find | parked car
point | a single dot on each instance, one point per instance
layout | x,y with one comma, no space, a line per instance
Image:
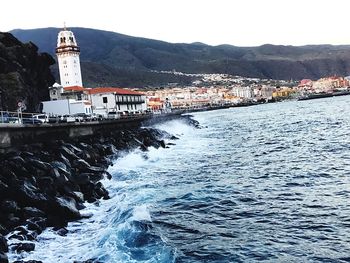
82,117
44,118
66,118
31,121
113,115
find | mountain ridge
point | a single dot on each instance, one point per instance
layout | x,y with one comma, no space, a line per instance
139,56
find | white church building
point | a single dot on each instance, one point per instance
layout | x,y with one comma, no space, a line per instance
70,97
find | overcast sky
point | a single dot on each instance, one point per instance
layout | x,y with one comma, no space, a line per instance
214,22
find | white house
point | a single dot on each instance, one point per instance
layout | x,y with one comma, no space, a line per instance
106,100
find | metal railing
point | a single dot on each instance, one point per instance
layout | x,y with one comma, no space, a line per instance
8,117
19,117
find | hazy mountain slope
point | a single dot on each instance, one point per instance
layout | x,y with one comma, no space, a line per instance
133,54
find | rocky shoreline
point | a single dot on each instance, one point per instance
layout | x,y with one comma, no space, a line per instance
46,184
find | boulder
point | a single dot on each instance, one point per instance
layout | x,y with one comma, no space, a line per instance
64,160
39,164
68,154
32,212
25,246
3,244
66,208
34,227
3,230
61,167
3,258
4,190
83,178
40,221
9,206
28,194
62,231
12,221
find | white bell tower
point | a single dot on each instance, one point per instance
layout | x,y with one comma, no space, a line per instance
67,52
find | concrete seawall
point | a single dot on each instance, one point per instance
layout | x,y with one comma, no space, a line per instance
12,135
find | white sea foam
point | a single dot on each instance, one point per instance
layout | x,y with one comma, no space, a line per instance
105,233
141,213
175,127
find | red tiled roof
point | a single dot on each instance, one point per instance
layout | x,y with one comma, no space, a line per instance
153,99
118,91
305,82
74,88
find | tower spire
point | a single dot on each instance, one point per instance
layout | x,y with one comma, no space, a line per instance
64,26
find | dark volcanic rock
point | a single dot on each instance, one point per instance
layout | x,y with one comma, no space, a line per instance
24,73
67,208
3,244
19,247
47,184
3,258
32,212
9,206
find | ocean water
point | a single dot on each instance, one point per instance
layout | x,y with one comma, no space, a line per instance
264,183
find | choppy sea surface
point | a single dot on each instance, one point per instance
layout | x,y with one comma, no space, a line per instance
264,183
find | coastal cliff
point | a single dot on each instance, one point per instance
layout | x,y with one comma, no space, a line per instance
24,74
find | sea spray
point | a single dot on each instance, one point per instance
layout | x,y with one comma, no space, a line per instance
85,177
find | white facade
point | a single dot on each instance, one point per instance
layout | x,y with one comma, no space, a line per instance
112,102
66,107
67,52
55,91
243,92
